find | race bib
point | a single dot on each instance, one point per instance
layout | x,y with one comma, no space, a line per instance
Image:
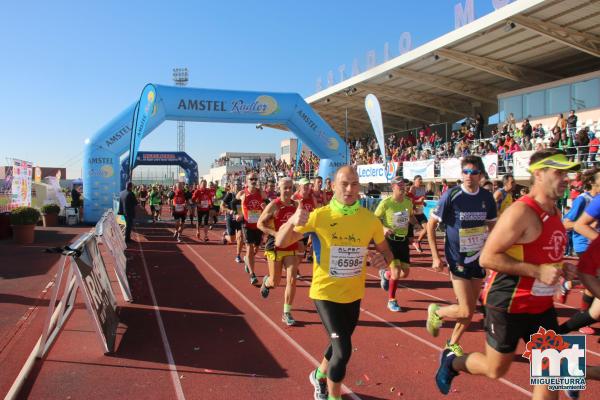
179,207
400,220
203,203
541,289
472,239
143,198
253,216
346,261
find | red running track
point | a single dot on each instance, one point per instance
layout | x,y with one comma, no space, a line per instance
199,330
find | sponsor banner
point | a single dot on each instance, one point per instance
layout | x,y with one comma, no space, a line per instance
111,236
450,168
377,173
424,168
21,183
142,115
490,161
521,163
98,294
374,111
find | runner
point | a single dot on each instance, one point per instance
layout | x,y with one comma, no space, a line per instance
217,199
179,211
143,196
417,195
343,230
305,196
231,206
155,200
585,232
468,213
327,192
191,207
396,212
525,252
212,212
253,201
317,191
503,196
591,185
276,214
203,199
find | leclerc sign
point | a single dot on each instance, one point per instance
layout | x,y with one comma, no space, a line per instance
377,173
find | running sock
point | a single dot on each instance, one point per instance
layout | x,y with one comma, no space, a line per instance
387,275
579,320
586,301
393,287
287,308
320,375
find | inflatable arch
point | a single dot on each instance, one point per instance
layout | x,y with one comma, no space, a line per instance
102,153
179,158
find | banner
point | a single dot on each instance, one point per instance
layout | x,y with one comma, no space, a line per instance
490,161
521,163
424,168
374,111
141,117
450,168
98,294
21,183
111,236
377,173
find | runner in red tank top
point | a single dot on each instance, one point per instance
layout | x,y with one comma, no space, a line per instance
203,199
253,201
327,192
525,252
273,217
318,193
179,211
305,196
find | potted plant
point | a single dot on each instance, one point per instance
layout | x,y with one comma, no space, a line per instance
23,221
50,214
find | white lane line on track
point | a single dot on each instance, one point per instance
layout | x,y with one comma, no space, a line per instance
277,328
433,346
163,335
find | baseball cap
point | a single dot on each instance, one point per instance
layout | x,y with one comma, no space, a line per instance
303,181
556,161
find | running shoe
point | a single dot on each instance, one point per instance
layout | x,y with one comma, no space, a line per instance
206,238
572,394
224,240
455,348
417,246
238,259
253,279
434,321
562,293
320,385
178,239
210,227
287,319
246,267
445,373
264,289
298,276
393,306
384,282
587,330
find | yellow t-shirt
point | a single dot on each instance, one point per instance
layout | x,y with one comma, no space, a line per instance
340,244
395,215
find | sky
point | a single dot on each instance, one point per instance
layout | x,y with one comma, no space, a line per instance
69,67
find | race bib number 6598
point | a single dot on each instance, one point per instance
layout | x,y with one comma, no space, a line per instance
346,261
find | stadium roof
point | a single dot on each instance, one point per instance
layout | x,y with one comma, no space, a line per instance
524,43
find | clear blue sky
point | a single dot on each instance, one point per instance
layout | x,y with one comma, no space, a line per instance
68,67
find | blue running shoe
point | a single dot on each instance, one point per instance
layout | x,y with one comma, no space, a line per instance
384,283
393,306
445,373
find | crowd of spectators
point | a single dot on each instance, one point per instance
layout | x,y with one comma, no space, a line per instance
579,141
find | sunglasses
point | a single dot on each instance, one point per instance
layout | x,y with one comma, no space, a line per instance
469,171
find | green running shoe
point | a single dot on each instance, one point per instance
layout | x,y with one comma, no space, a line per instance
455,348
434,321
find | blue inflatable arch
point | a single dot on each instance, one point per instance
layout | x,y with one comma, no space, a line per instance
179,158
102,155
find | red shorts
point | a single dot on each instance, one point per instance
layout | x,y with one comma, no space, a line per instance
589,262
